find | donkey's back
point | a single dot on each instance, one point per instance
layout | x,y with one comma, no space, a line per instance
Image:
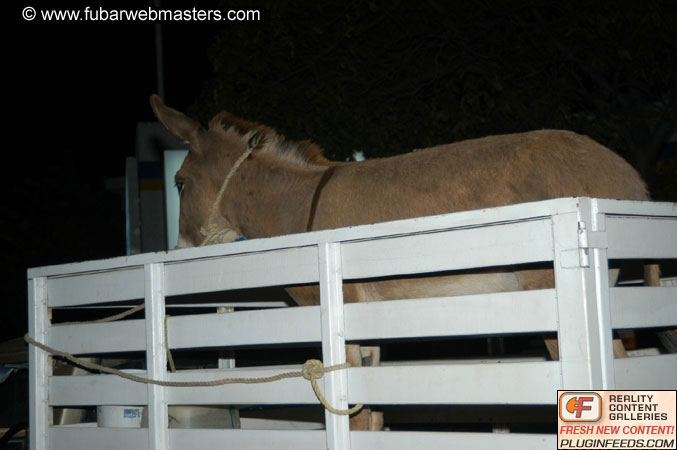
478,173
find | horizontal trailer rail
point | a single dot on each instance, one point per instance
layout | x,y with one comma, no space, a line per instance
577,236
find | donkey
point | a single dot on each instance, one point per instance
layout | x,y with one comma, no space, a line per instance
247,179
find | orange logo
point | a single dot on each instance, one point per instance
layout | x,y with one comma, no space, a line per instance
580,407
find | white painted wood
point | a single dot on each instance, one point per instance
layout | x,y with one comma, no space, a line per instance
407,440
156,355
453,316
597,244
641,237
513,243
647,372
288,391
86,438
182,439
271,424
271,326
122,336
97,287
223,363
503,214
456,384
669,281
579,234
578,335
85,390
245,304
461,361
333,344
113,390
211,305
270,268
421,383
461,315
39,418
636,208
640,307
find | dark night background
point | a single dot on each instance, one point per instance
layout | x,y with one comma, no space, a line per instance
378,76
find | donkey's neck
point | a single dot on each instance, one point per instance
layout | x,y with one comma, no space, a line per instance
271,197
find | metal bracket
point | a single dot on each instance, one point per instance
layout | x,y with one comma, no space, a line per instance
587,239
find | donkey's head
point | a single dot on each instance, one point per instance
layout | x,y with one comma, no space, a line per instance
212,154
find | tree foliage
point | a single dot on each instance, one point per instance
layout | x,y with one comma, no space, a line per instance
387,77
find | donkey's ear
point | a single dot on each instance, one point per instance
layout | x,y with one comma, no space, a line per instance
180,125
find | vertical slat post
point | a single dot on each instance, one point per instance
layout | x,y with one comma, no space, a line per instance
39,365
229,362
333,344
599,263
582,289
156,355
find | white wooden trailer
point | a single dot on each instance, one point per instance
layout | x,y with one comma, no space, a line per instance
578,235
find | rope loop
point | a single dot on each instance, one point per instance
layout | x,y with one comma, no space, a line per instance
312,370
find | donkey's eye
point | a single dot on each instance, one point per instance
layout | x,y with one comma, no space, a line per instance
179,186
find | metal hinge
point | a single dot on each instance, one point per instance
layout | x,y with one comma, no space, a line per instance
587,239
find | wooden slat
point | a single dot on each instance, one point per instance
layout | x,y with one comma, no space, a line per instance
461,219
456,384
272,326
97,287
642,307
288,391
112,337
463,383
641,237
113,390
646,372
407,440
513,243
360,440
96,390
511,213
85,438
636,208
68,438
182,439
274,268
505,312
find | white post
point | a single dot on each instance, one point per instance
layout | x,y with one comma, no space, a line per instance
582,288
226,363
156,356
39,364
599,261
333,344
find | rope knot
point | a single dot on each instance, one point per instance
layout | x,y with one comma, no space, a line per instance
313,370
217,234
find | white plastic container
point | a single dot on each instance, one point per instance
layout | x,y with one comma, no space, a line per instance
116,416
181,416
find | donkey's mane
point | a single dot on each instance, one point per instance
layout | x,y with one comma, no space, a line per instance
269,141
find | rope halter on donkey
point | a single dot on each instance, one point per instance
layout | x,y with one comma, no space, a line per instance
224,232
